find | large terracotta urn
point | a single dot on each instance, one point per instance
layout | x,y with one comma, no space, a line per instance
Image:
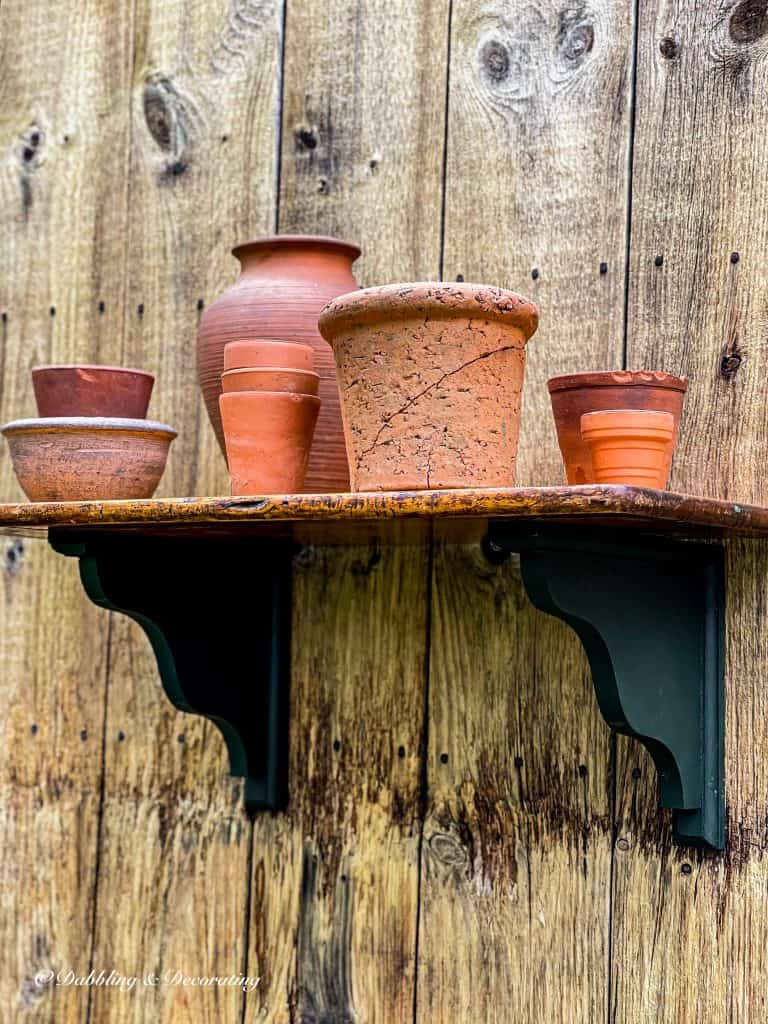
285,280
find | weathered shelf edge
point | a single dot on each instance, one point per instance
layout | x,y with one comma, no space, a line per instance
612,505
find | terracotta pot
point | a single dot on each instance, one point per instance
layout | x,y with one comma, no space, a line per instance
265,378
574,394
284,283
83,458
431,376
629,446
269,435
92,391
266,352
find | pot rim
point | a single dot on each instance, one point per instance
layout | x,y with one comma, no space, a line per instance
627,421
47,367
58,424
437,299
296,242
293,396
270,369
617,378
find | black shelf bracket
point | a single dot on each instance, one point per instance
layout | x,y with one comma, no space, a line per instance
650,614
217,612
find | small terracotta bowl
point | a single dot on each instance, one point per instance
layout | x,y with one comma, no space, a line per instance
86,458
266,352
629,446
271,378
269,436
92,391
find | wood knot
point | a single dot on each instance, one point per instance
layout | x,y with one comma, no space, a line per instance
494,58
305,138
448,850
169,123
575,37
749,21
14,557
669,48
730,360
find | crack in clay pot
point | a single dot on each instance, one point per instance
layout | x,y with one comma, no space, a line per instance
425,391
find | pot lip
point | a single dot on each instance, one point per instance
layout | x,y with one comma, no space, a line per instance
47,367
293,396
612,378
66,424
296,242
438,299
269,369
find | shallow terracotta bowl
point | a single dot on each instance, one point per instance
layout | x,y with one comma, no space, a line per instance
88,458
85,390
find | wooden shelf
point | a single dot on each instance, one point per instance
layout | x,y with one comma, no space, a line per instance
638,574
342,517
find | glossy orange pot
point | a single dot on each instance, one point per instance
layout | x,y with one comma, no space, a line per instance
431,377
284,282
271,378
268,352
269,435
629,446
574,394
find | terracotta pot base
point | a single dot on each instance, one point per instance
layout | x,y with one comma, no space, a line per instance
629,446
269,435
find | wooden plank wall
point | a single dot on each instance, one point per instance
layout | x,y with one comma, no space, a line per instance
465,841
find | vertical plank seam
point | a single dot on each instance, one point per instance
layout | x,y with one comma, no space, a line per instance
424,770
630,170
279,114
614,761
444,173
100,811
247,921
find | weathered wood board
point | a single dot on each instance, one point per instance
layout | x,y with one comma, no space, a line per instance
465,840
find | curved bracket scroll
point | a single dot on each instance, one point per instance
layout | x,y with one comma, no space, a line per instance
217,613
650,614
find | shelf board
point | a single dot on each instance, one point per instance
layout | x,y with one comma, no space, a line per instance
401,515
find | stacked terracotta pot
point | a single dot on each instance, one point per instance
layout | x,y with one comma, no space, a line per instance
269,409
618,427
91,439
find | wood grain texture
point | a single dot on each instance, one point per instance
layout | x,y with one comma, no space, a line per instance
536,200
363,126
203,176
610,505
52,690
63,212
688,933
335,879
517,839
536,186
175,840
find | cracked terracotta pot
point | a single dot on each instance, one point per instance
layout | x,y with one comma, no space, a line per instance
574,394
269,436
629,446
431,377
284,282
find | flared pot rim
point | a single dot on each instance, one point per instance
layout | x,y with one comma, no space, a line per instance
435,299
617,378
267,242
